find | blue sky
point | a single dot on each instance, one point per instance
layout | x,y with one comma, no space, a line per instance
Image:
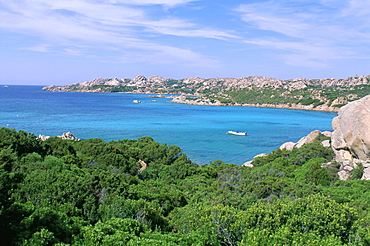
68,41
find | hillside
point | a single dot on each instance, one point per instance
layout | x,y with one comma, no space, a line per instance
91,192
311,94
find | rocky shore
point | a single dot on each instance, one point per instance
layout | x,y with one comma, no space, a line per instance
141,84
350,139
206,102
256,91
65,135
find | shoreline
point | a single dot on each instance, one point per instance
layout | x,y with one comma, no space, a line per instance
177,98
321,108
279,106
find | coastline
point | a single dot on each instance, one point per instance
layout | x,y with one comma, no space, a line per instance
324,95
293,106
196,129
182,100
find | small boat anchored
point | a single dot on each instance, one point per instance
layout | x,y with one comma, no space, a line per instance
237,133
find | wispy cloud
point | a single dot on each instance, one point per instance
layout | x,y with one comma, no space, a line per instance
170,3
310,34
39,48
123,24
357,7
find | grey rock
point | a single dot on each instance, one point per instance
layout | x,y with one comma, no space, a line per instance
288,145
366,174
344,175
326,143
140,79
65,135
248,164
68,135
352,129
327,133
43,137
348,168
260,155
308,139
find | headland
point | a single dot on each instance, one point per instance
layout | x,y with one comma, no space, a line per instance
254,91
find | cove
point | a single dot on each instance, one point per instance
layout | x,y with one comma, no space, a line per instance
199,130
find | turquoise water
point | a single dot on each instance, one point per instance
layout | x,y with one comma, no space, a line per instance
199,130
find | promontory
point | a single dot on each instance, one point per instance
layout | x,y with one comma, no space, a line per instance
327,94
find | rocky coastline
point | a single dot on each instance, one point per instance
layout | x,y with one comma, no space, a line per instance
140,83
299,93
296,106
350,139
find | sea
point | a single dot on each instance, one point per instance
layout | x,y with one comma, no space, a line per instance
200,131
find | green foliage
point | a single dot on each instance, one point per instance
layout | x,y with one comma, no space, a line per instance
116,231
40,238
275,96
298,156
357,172
21,142
285,222
215,222
312,172
58,147
91,192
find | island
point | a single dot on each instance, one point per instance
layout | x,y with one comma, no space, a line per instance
327,94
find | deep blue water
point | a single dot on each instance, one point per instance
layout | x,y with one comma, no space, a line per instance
199,130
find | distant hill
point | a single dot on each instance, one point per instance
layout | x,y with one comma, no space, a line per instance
312,94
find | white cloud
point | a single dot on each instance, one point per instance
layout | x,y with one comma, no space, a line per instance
105,24
273,17
300,53
309,34
357,8
169,3
202,33
39,48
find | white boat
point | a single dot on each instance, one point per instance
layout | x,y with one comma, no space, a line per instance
237,133
136,101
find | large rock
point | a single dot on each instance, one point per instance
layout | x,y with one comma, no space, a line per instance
69,136
351,137
65,135
140,79
352,129
310,138
288,146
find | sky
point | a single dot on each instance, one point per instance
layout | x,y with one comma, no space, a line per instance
60,42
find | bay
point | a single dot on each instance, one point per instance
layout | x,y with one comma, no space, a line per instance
199,130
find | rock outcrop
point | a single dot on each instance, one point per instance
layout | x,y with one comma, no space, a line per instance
249,163
214,91
352,128
65,135
199,84
310,138
68,135
350,139
351,136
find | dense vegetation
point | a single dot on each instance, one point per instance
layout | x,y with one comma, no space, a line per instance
91,192
312,95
